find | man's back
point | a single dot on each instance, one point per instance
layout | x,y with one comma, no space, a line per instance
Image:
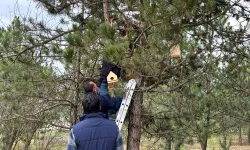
95,132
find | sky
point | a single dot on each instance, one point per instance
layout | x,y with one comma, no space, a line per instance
11,8
24,8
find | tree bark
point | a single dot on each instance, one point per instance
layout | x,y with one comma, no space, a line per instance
77,72
204,137
178,146
240,136
168,135
9,136
204,146
105,11
76,78
248,135
77,97
28,139
168,142
134,127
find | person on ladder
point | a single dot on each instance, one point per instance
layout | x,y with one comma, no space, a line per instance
109,104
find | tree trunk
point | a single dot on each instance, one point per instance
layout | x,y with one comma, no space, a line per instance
28,140
179,141
248,135
178,146
204,137
240,136
204,145
77,98
168,136
105,11
134,127
30,134
168,142
9,137
77,72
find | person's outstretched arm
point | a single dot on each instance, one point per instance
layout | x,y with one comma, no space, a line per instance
119,142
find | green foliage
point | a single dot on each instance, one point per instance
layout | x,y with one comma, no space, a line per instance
92,24
115,52
201,94
68,54
210,5
30,39
74,39
89,36
56,49
107,31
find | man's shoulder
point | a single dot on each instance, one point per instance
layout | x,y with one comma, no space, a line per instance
91,121
104,100
107,122
102,97
110,122
93,125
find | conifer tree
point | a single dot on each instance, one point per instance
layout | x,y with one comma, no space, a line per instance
139,36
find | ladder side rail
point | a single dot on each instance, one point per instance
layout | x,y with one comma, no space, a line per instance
125,103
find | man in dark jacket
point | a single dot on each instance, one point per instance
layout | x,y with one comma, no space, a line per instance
107,103
94,132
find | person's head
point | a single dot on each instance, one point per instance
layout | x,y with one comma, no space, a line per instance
90,86
91,103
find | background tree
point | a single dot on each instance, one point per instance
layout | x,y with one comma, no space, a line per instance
176,99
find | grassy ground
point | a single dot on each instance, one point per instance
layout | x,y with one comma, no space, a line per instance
58,141
214,144
51,140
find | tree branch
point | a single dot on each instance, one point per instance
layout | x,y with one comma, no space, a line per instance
41,44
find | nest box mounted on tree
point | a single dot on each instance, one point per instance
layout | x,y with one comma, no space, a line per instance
175,51
112,79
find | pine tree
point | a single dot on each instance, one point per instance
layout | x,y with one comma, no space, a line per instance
139,37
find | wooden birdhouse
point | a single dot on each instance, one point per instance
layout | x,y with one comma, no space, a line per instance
112,79
175,51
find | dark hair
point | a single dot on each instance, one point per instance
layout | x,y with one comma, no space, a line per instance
91,103
87,86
